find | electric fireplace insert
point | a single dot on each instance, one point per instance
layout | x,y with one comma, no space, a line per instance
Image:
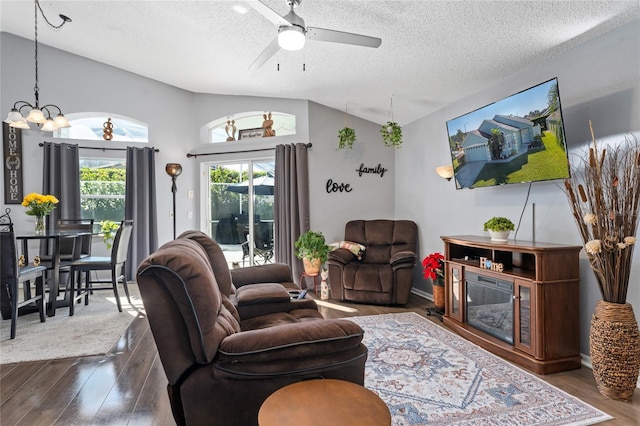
490,305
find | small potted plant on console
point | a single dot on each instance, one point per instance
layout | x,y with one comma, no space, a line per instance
499,228
312,248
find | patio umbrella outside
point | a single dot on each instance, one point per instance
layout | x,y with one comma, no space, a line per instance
261,186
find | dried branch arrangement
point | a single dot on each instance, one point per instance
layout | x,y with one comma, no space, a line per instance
604,193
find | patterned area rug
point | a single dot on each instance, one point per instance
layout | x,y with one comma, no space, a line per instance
429,376
92,330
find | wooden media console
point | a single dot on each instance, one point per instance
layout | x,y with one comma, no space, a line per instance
517,299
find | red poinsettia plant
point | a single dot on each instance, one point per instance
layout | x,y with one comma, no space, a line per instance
433,268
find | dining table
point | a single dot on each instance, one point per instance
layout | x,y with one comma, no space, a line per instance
55,236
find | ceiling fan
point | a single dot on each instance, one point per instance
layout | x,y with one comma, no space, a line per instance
292,32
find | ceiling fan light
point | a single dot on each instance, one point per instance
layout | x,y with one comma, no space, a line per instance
36,116
291,37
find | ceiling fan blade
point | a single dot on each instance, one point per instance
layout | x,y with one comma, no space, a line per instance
266,54
333,36
267,12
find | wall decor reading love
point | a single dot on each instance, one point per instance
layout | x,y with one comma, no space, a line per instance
12,154
378,170
337,187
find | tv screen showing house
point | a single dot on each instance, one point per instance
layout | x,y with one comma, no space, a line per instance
518,139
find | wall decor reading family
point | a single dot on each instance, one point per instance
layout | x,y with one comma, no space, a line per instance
12,155
379,170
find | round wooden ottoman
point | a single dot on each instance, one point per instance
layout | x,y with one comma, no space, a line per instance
324,402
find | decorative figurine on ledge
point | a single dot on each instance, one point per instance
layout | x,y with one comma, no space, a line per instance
230,127
107,132
267,125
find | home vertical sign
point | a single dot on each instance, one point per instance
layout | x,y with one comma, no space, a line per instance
12,164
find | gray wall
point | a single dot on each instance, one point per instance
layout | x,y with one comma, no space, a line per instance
599,81
177,122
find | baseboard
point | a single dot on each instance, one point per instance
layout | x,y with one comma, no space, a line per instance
586,359
422,293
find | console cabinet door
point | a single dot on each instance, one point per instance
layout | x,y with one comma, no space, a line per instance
524,325
455,283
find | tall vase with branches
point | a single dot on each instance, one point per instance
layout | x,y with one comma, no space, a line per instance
604,195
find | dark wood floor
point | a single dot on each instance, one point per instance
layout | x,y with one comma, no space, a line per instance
128,386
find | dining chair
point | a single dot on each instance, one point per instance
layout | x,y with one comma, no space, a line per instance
114,263
70,248
13,276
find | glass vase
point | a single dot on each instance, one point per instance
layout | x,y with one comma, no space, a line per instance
39,225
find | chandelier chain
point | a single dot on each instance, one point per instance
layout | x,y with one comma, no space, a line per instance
35,20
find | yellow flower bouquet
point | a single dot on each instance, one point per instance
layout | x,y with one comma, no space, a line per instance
38,204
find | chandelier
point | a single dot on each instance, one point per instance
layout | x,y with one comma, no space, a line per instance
41,115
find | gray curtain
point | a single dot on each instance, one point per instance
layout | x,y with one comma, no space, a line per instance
140,206
61,178
291,199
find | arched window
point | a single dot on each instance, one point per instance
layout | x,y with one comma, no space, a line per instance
91,126
220,129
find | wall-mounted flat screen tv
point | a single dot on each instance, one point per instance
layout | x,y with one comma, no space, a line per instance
518,139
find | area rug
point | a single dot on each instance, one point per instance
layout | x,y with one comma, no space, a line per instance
428,375
92,330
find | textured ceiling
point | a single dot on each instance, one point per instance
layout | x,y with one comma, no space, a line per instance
432,52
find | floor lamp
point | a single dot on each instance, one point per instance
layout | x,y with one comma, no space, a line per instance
174,170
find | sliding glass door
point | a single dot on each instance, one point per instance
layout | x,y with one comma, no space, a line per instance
240,214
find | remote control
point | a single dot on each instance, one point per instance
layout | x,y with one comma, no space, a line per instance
302,294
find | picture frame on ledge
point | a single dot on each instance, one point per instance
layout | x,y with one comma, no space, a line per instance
251,133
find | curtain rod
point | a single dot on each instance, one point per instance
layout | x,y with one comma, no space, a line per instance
102,148
308,145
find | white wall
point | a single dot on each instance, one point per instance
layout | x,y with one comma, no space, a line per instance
599,81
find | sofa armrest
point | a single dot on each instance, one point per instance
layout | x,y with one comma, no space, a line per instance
340,256
290,341
403,259
271,273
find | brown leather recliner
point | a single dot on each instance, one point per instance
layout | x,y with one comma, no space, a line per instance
384,275
221,366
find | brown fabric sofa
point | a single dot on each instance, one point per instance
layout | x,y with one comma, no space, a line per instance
220,365
384,275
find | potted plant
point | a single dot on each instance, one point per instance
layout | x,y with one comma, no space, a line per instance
312,248
499,228
391,134
433,269
346,137
107,227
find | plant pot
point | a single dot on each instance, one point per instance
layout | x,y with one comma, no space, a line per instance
499,236
312,266
438,298
614,343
